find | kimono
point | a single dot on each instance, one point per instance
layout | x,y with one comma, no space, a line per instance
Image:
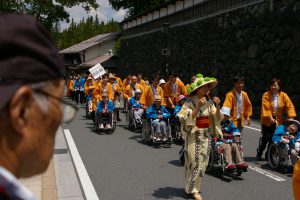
196,135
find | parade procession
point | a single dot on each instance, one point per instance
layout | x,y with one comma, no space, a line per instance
146,100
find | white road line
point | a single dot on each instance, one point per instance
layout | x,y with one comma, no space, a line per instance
256,129
86,183
265,173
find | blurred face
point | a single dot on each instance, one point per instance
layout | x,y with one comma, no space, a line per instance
133,80
128,77
155,81
193,79
275,88
111,80
162,85
239,86
33,141
105,79
104,98
138,95
139,77
172,79
157,103
226,117
292,128
182,101
202,91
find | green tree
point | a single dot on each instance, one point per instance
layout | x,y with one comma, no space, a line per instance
135,7
84,30
48,12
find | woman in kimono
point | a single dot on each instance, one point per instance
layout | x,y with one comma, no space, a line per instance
199,117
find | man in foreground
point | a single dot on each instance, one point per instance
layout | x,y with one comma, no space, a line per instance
31,108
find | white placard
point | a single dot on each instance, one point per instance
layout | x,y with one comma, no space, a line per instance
97,71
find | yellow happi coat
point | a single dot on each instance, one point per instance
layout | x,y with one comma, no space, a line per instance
196,141
231,103
284,105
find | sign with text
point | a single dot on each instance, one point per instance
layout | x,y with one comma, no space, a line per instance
97,71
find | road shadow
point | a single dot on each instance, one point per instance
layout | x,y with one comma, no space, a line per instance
224,178
175,163
249,159
169,193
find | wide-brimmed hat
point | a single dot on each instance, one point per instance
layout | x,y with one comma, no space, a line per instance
225,111
161,81
111,76
201,81
138,91
180,98
293,121
157,98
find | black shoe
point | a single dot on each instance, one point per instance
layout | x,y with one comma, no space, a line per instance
119,120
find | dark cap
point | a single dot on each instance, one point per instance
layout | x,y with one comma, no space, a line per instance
28,54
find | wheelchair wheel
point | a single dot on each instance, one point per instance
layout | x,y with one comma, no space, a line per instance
87,111
145,132
96,125
274,156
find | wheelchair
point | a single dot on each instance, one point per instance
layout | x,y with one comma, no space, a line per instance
130,120
105,119
176,131
217,160
279,157
147,133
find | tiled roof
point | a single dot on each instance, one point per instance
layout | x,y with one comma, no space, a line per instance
99,59
89,43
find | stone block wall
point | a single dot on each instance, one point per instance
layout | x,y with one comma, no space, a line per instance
254,42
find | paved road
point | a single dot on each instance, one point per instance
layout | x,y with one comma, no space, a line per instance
120,167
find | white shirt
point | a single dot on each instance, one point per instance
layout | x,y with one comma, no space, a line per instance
12,187
239,104
275,102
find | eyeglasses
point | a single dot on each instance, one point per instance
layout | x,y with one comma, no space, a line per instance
69,110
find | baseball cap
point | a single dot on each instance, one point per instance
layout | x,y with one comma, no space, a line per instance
28,54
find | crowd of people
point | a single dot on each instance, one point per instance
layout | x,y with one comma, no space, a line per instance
28,96
200,116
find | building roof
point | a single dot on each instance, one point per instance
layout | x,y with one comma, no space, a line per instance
90,42
94,61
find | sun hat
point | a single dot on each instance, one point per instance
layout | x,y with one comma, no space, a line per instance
200,81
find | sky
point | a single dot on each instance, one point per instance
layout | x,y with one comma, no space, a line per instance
105,13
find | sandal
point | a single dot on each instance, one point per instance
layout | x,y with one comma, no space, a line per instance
197,196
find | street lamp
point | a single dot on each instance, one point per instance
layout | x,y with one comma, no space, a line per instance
165,50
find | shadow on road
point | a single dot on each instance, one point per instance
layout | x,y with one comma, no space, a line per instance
221,177
169,193
249,159
175,163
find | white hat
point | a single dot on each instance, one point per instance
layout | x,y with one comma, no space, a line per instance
161,81
138,91
225,111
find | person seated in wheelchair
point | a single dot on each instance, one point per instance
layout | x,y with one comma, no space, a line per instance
105,109
180,101
289,136
231,140
158,114
136,106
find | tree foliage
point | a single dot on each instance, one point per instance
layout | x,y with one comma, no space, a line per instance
48,12
135,7
84,30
